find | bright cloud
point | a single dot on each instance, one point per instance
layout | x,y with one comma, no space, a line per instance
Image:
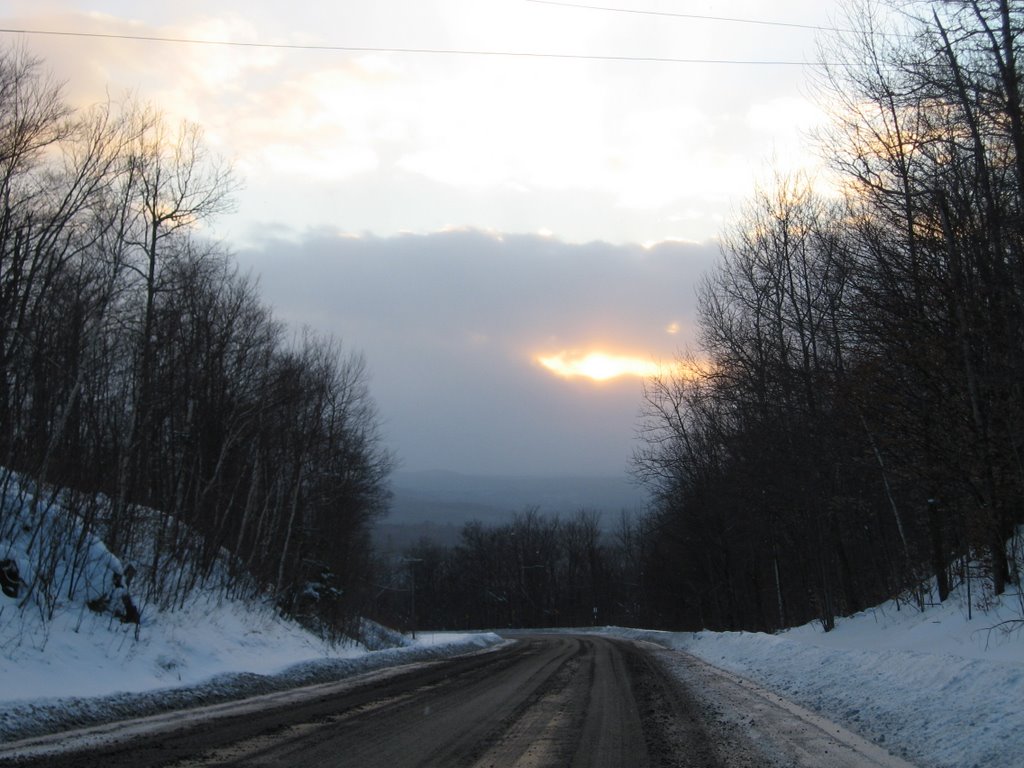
620,151
604,366
598,366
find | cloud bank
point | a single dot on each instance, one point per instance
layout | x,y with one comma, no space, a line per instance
453,325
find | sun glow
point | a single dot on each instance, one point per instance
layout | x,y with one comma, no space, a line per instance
598,366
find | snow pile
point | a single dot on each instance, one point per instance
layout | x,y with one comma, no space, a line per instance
932,687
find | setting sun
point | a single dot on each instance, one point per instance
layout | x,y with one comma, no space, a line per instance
599,366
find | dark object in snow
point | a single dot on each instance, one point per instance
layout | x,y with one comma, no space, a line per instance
10,579
99,604
127,612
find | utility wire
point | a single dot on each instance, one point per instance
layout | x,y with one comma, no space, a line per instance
435,51
697,16
729,19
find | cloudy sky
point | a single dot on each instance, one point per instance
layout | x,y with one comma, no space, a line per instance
512,241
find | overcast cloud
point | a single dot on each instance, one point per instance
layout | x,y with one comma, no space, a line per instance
452,323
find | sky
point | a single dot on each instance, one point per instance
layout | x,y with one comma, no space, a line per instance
512,241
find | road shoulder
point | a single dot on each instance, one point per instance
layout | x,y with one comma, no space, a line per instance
761,728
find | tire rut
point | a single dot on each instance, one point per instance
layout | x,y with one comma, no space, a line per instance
676,732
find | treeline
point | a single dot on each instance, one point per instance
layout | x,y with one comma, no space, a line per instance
853,423
142,372
536,570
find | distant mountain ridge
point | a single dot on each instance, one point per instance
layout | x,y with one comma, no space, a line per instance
452,498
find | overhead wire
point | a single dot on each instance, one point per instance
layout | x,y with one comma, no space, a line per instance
695,16
482,52
383,49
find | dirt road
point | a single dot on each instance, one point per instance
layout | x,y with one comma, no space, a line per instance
545,700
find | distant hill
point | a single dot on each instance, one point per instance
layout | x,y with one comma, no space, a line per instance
453,498
437,504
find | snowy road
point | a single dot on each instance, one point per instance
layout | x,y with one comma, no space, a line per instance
546,700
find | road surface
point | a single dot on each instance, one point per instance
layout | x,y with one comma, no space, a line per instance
544,700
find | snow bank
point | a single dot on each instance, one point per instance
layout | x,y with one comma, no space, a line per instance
92,675
67,657
929,686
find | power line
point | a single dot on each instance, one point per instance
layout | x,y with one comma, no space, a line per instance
727,19
432,51
701,17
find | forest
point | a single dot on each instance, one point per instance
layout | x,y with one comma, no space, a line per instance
148,393
857,428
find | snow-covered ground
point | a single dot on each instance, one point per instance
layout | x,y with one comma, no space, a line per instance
209,638
933,687
67,659
84,669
